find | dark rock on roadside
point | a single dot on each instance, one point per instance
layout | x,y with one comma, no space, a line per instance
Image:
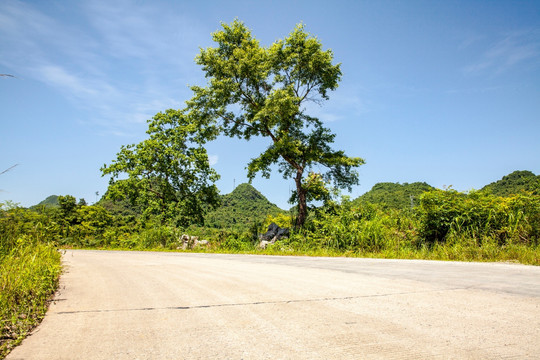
273,234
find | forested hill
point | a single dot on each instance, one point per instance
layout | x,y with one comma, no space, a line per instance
514,183
246,204
398,196
395,195
49,201
242,207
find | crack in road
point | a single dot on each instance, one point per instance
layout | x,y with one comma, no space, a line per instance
252,303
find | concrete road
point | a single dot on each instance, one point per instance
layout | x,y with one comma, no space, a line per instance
143,305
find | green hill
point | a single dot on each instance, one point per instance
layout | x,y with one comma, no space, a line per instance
242,207
515,183
394,195
51,201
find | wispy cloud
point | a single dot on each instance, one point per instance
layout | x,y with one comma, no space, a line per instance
80,87
213,159
469,40
507,52
339,106
121,61
142,30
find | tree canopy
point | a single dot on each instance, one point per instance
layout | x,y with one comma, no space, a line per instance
167,175
263,91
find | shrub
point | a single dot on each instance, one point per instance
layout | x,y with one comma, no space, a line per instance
479,215
28,277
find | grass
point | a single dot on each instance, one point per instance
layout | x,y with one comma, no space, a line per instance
28,278
467,251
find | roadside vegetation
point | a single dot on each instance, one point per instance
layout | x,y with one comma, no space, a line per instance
436,224
29,272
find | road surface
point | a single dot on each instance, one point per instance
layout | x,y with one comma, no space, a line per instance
146,305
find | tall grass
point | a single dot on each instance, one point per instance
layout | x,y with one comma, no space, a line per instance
29,273
446,225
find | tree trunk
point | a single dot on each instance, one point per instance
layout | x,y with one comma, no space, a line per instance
302,204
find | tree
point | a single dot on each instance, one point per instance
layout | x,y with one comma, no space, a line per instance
168,174
258,91
66,214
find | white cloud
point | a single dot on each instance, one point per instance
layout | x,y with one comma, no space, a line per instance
119,62
338,107
80,87
213,159
146,31
507,52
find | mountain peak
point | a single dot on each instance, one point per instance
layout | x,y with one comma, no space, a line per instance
514,183
248,192
245,205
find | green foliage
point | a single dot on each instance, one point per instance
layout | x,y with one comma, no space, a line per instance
357,228
445,225
157,236
93,221
29,271
121,207
16,222
237,243
445,215
168,175
437,212
395,195
240,209
283,220
515,183
262,91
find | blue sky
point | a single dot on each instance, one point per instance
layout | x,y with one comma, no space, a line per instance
446,92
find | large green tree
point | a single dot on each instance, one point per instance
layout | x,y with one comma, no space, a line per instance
168,175
263,91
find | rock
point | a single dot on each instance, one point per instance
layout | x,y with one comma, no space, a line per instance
190,242
273,234
263,244
272,231
184,239
283,232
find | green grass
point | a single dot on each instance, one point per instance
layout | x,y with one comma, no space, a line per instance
467,251
28,278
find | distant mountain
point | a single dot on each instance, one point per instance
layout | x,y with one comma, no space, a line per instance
395,195
49,201
515,183
242,207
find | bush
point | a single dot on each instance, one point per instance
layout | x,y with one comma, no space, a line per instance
237,243
28,277
157,236
361,228
479,215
